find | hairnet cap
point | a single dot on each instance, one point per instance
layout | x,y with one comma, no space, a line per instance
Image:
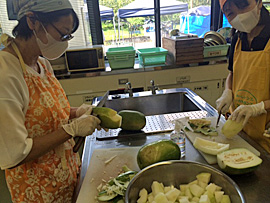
21,7
222,2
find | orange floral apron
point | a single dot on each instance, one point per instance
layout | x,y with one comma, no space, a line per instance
52,177
251,85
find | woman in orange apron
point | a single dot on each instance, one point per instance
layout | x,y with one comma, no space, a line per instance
36,145
248,83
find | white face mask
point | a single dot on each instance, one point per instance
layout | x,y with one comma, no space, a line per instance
246,22
53,49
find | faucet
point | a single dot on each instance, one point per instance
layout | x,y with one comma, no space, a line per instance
128,89
153,87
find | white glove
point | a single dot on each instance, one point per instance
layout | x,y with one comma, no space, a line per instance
83,109
224,102
266,133
82,126
246,111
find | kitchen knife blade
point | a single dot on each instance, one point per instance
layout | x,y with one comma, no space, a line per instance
219,115
103,100
82,139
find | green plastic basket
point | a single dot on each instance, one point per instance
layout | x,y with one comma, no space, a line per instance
152,56
215,51
121,57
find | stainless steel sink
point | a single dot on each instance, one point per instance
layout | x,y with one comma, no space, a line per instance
163,102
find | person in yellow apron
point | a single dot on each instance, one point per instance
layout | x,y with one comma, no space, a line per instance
36,137
247,89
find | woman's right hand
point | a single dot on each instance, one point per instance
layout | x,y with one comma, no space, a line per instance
83,126
224,102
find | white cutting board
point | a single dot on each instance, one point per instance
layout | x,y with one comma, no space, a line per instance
98,170
235,142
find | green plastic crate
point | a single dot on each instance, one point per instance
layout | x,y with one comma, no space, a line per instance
215,51
121,57
152,56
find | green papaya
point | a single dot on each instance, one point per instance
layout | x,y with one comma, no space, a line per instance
162,150
132,120
108,117
232,128
238,161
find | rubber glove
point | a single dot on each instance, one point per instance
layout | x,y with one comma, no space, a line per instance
82,126
83,109
247,111
224,102
266,133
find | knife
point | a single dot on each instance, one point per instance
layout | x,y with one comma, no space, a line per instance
219,115
82,139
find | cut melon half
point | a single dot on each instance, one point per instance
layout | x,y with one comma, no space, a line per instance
238,161
209,147
109,117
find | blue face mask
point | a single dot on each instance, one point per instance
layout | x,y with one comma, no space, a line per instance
53,49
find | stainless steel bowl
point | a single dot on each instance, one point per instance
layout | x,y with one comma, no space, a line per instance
212,35
180,172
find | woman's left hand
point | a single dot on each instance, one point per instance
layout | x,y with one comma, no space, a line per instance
244,112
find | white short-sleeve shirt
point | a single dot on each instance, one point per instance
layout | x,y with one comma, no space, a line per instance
14,99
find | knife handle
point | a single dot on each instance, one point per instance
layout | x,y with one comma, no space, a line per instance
78,144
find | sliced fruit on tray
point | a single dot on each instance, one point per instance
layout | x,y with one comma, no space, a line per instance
162,150
238,161
209,147
231,128
109,117
203,126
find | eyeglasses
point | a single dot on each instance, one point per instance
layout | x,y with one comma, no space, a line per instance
66,37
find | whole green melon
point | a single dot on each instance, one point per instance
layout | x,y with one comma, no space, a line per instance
132,120
162,150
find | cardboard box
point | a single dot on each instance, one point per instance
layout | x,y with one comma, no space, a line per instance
184,51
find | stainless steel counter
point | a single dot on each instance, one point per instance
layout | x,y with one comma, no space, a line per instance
255,186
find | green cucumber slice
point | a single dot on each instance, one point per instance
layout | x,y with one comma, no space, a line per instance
104,197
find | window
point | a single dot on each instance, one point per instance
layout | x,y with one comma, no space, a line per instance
136,22
127,23
266,3
81,36
6,25
107,15
197,19
132,22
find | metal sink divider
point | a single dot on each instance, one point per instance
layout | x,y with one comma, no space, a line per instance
154,124
191,105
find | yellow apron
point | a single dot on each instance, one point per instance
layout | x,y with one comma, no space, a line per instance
251,85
